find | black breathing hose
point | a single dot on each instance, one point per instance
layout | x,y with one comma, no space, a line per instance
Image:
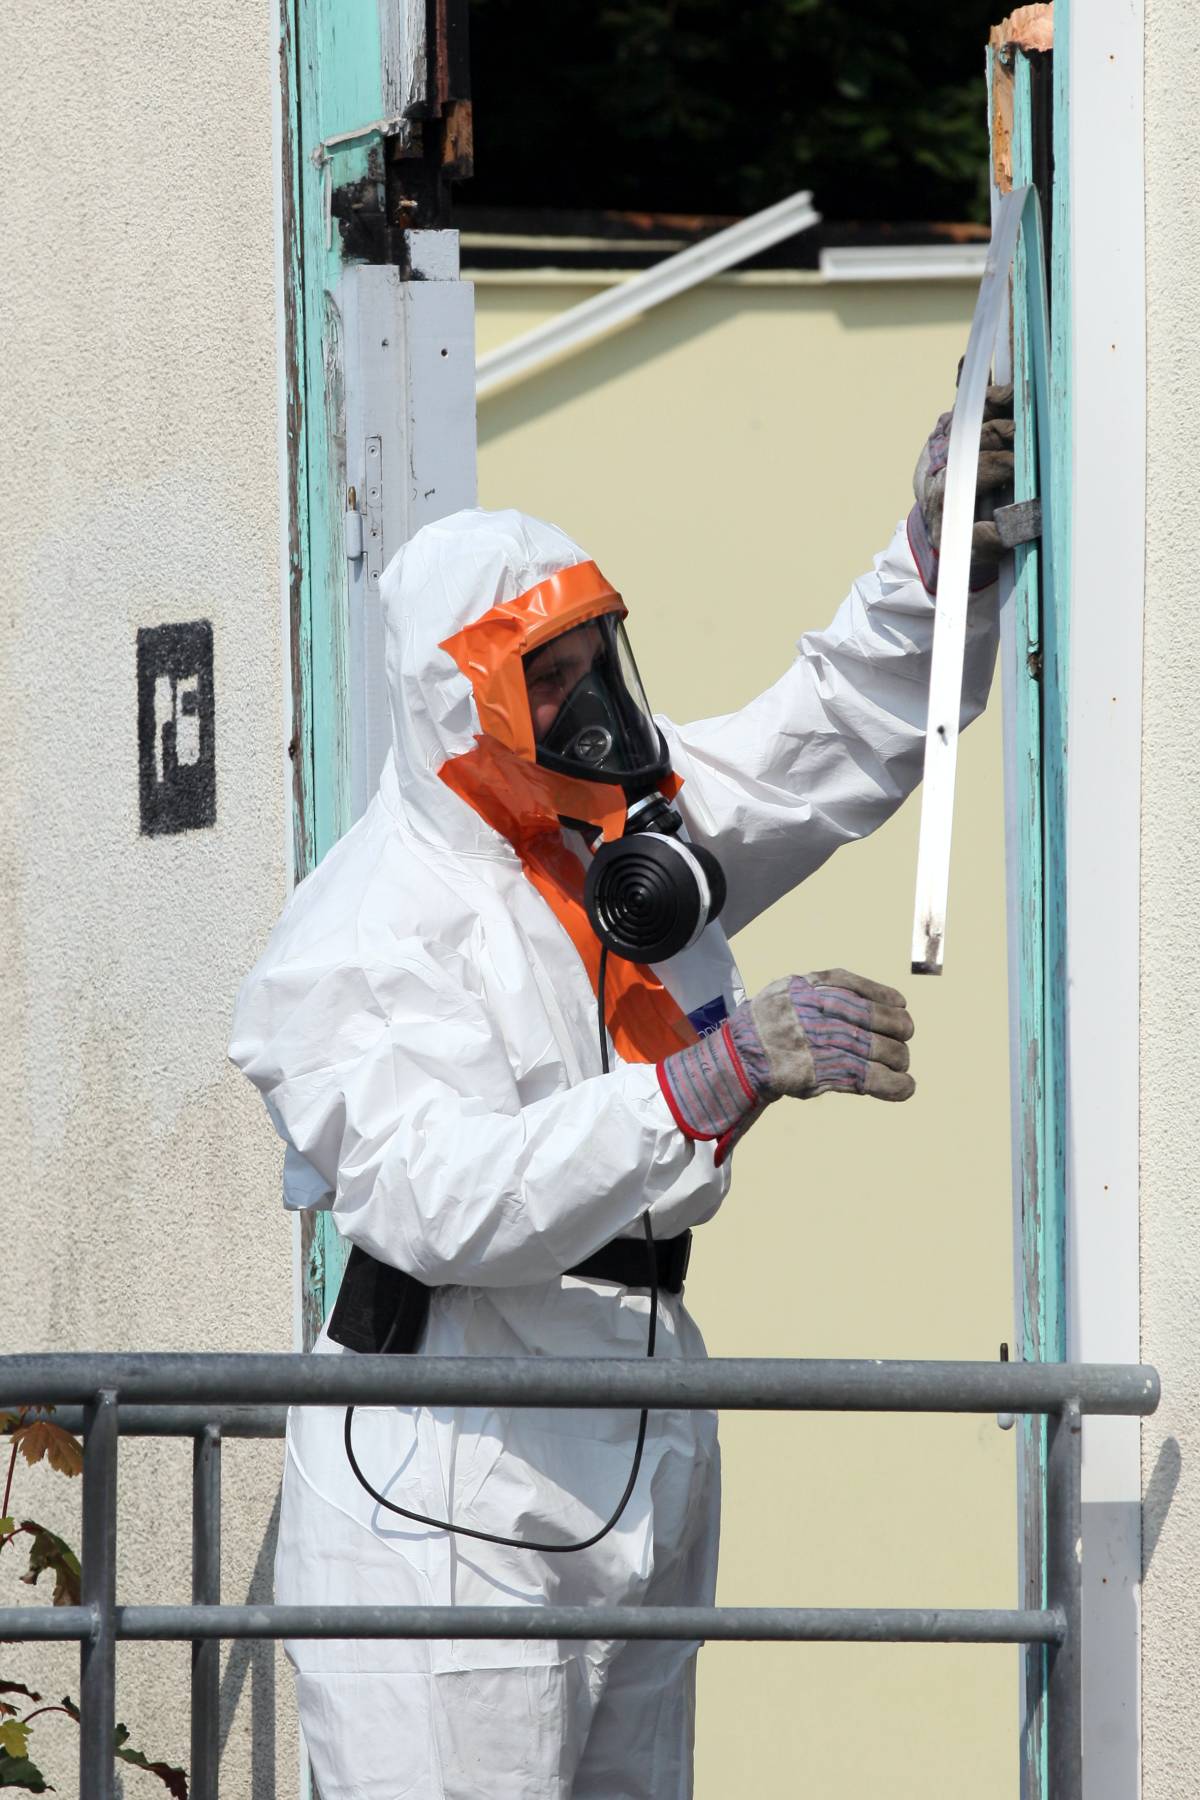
492,1537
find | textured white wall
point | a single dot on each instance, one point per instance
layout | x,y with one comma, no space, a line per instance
139,485
1170,1046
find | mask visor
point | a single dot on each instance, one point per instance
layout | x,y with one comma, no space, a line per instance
589,710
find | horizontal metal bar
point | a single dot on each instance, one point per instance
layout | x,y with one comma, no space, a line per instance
43,1624
739,1384
188,1421
900,1625
985,1625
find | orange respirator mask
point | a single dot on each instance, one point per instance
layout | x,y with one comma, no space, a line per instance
568,739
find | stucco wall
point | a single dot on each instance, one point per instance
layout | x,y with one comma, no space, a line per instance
1170,1043
139,485
733,460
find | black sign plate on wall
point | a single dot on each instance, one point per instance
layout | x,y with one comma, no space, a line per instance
177,746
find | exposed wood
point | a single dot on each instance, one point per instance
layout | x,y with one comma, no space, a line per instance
438,149
1028,28
458,142
1002,122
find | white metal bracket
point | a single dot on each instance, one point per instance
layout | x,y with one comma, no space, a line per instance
410,451
1019,523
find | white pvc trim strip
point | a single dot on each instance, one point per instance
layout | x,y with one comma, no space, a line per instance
558,336
954,567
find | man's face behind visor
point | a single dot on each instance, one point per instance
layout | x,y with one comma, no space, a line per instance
588,709
554,670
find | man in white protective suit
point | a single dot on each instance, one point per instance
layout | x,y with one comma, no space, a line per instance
423,1026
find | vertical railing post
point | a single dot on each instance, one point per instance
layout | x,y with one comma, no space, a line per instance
1064,1582
98,1589
206,1591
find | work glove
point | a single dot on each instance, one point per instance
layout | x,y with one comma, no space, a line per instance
993,486
804,1035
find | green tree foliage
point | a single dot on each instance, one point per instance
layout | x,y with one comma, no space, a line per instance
703,106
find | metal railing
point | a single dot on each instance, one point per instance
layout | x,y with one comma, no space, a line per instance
210,1397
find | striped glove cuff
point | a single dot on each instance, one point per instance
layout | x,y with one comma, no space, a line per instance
797,1037
708,1090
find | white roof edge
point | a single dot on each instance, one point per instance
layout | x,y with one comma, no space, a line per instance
551,242
555,275
875,262
904,262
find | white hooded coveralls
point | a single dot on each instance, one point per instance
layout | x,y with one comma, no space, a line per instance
424,1033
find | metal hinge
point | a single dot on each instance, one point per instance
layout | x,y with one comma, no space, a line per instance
363,531
374,510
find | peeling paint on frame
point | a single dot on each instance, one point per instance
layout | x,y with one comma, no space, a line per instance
332,83
1032,115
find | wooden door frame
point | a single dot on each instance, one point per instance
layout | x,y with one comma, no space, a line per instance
1073,752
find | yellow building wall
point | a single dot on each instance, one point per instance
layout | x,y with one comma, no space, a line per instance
733,460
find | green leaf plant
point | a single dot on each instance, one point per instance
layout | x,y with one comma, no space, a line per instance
35,1437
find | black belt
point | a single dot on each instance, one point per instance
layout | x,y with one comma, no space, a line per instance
627,1261
380,1307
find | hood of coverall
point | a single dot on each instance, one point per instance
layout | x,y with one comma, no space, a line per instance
454,641
464,598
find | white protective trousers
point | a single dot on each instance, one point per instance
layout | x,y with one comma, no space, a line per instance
424,1033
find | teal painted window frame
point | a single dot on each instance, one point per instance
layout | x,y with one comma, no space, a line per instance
333,84
1036,677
